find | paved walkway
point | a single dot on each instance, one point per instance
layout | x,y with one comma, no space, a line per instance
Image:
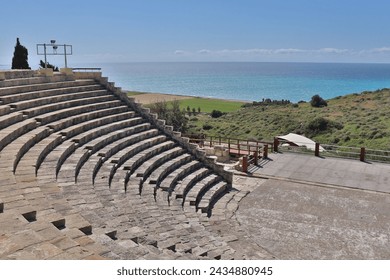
315,208
331,171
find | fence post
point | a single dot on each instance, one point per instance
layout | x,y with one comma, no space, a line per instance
276,144
265,153
238,147
362,154
317,150
229,145
256,157
211,141
245,164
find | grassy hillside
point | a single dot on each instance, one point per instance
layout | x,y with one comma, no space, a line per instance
352,120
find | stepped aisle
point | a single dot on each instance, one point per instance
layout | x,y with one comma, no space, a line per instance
86,173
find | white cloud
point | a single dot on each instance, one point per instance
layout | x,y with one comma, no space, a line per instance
204,51
287,54
180,52
334,51
288,51
281,51
380,50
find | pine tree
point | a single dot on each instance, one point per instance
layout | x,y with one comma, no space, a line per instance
20,59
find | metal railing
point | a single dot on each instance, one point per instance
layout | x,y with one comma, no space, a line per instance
87,69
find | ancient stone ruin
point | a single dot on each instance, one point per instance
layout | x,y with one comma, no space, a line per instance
88,173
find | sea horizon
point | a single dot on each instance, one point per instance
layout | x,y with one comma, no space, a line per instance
247,81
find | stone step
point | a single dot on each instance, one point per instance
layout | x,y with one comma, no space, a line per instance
169,183
10,119
132,163
189,181
93,133
65,113
103,141
100,122
36,111
125,148
83,117
168,167
15,85
147,167
208,199
195,193
4,110
53,90
36,102
10,133
27,141
93,146
137,160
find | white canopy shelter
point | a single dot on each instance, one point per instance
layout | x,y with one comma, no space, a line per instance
299,140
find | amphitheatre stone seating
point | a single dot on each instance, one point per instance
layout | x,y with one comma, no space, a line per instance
86,173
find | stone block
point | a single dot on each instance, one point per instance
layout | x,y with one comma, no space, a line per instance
46,72
67,71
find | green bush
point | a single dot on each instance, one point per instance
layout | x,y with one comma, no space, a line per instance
318,101
216,114
207,127
321,124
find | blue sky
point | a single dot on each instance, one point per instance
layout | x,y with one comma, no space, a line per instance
200,30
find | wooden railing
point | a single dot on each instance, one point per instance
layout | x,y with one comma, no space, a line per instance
238,147
362,153
249,150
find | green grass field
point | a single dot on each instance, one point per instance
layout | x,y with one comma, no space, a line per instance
207,105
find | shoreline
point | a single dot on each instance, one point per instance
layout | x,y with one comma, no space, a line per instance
153,97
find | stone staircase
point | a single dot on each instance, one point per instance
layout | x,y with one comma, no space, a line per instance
86,173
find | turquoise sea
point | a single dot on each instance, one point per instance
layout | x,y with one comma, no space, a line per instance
249,81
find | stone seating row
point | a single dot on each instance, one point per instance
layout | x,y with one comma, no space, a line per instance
14,84
22,93
77,145
67,152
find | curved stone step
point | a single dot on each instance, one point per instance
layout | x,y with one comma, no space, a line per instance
36,102
62,118
207,201
189,181
72,87
164,170
169,183
32,112
194,194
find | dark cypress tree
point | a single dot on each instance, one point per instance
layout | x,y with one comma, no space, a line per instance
20,59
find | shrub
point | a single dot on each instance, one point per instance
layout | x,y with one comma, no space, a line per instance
48,65
318,101
207,127
321,124
171,114
216,114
